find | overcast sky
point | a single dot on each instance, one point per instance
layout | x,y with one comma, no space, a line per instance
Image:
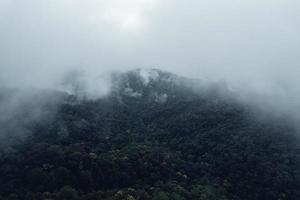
248,43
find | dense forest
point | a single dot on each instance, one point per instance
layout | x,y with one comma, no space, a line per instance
159,137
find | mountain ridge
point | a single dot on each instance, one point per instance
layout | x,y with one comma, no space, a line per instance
191,145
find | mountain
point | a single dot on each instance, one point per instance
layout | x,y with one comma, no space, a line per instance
155,136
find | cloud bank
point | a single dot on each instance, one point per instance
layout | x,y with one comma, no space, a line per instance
253,45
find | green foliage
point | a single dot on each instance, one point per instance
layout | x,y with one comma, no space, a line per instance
161,196
193,147
206,192
67,193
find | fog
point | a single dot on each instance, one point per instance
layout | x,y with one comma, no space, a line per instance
253,45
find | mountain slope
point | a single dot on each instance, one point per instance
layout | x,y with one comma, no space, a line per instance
156,136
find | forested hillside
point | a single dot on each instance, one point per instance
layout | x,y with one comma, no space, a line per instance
156,136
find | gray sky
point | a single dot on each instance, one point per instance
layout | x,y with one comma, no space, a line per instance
248,43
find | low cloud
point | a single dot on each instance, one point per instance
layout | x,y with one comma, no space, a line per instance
252,45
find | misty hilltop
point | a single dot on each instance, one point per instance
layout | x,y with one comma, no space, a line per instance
141,84
84,116
154,135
